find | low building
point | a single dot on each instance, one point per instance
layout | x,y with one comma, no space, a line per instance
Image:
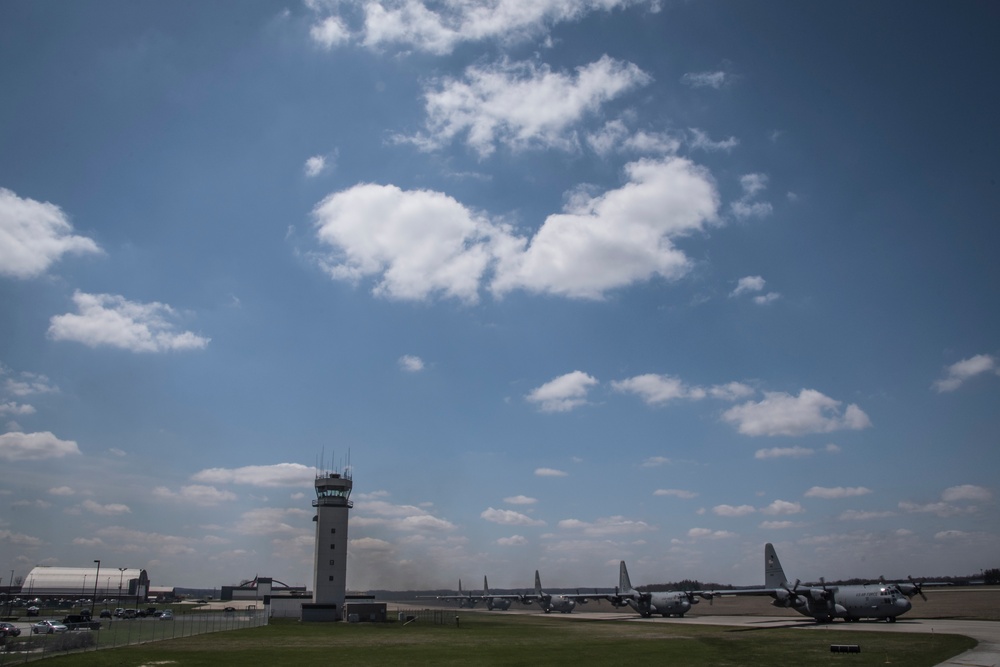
44,581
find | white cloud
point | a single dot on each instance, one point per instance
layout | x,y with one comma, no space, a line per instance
273,521
730,391
62,491
512,541
198,494
606,526
657,389
330,32
764,299
315,166
411,363
111,509
707,533
699,140
716,79
564,393
369,544
28,384
416,243
106,319
19,539
614,239
748,284
747,206
733,511
677,493
19,446
419,244
520,500
859,515
521,104
778,525
959,372
655,461
951,535
837,491
549,472
12,408
782,414
782,507
795,452
279,474
35,235
438,28
510,518
966,492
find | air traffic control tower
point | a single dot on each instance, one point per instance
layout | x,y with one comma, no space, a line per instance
333,492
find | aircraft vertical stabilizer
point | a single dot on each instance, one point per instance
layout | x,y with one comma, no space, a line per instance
774,575
538,584
624,585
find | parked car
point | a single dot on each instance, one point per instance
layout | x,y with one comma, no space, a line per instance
33,611
105,613
119,612
47,628
130,613
167,615
9,630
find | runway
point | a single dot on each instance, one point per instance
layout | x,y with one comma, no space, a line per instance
987,633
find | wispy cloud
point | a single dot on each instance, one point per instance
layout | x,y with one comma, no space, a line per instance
960,372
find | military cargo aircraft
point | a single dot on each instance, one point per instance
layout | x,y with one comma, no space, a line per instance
825,603
676,603
497,602
465,599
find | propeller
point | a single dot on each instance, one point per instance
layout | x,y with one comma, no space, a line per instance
917,590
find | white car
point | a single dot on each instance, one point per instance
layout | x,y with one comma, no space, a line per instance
47,628
167,615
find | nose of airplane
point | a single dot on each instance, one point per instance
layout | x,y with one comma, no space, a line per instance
903,604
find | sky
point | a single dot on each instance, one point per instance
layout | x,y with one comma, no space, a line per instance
558,283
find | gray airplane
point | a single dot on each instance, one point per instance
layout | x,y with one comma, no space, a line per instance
497,602
676,603
465,599
825,603
564,604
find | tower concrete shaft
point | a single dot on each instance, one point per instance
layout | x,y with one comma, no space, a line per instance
332,504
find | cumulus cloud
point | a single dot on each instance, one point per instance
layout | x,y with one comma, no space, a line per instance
28,384
968,492
19,446
716,79
279,474
273,521
550,472
699,140
315,166
676,493
658,389
19,539
512,541
35,235
562,394
520,500
780,452
837,491
199,494
733,511
616,238
418,244
110,509
782,507
783,414
655,462
106,319
747,206
958,373
605,526
510,518
404,518
748,284
411,363
859,515
438,28
521,104
709,534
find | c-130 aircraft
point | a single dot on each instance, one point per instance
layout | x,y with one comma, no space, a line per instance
825,603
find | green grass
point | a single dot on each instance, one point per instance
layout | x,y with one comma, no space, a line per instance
496,639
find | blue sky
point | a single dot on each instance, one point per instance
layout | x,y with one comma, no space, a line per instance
563,283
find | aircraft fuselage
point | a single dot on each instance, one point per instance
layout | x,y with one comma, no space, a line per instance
851,603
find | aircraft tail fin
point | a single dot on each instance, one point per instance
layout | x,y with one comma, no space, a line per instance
486,588
624,584
538,584
774,575
459,586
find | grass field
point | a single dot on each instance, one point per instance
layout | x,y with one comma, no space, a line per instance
518,639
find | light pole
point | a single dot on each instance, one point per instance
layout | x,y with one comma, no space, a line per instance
121,573
94,599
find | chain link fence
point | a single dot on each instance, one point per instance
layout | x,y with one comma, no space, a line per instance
124,632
